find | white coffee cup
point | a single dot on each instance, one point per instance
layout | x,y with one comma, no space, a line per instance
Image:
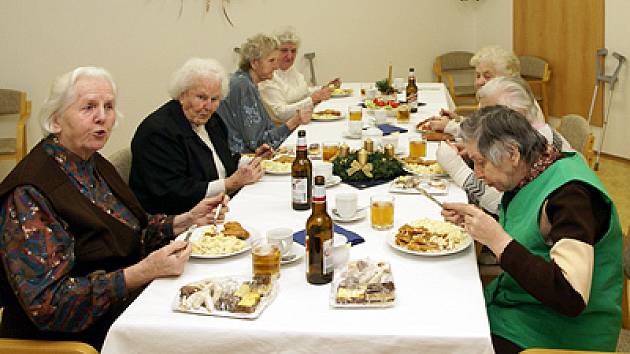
323,168
341,251
380,116
346,204
399,83
370,94
390,139
282,237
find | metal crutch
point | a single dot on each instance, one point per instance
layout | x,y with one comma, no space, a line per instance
611,80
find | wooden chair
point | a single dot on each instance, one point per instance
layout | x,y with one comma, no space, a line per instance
537,73
455,71
121,160
27,346
14,103
578,133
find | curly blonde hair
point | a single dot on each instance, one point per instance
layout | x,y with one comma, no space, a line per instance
257,47
504,62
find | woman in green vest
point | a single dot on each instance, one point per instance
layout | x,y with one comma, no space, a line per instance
558,239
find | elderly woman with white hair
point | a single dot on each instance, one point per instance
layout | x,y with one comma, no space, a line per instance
180,152
243,110
287,92
514,93
489,62
557,238
76,245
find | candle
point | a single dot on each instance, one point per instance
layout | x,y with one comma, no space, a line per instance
389,75
362,156
344,151
368,145
389,151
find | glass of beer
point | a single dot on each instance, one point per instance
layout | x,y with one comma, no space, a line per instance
355,113
382,211
417,147
265,259
330,149
402,114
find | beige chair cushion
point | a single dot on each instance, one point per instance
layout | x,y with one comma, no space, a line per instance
532,67
456,61
121,160
575,129
9,101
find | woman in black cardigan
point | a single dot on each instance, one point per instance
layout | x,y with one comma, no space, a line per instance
180,153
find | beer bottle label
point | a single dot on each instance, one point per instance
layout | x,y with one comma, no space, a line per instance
299,189
327,259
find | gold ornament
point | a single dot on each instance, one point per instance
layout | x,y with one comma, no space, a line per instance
389,151
362,156
344,151
357,166
368,145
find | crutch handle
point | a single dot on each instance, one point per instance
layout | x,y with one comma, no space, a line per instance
602,52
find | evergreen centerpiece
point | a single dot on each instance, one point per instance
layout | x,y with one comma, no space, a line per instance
377,166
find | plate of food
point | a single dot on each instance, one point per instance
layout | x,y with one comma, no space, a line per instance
363,284
409,185
279,165
421,167
427,237
229,296
327,115
211,242
341,92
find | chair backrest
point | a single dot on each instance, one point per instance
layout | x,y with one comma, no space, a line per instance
457,60
576,130
121,160
625,301
14,103
28,346
534,67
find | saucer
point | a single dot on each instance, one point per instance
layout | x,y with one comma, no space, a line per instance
335,180
346,134
358,215
296,253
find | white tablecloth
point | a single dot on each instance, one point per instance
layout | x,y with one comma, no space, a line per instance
439,306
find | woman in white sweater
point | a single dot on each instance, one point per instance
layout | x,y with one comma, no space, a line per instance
288,91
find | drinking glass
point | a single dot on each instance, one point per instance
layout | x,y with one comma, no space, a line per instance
417,147
402,114
382,211
330,150
265,259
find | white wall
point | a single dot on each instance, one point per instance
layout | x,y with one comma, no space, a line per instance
142,41
616,139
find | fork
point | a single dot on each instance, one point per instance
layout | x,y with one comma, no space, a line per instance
429,196
216,214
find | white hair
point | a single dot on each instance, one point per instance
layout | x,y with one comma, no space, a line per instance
195,69
504,62
63,94
288,35
514,93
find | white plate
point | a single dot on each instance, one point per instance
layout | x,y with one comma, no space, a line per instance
391,240
358,215
335,180
326,117
264,301
393,188
278,173
198,232
346,134
297,251
407,169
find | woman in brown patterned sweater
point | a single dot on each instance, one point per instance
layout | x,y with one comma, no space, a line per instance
76,246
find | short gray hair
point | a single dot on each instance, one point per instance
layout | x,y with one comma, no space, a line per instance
195,69
504,62
495,129
63,94
256,47
288,35
514,93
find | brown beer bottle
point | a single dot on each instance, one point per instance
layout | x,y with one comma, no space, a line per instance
412,90
319,238
301,172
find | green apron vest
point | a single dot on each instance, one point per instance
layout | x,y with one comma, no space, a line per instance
516,315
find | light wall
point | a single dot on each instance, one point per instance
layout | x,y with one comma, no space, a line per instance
142,41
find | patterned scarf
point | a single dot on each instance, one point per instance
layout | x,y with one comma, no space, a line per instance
546,159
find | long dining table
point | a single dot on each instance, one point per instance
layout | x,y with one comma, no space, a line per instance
439,305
